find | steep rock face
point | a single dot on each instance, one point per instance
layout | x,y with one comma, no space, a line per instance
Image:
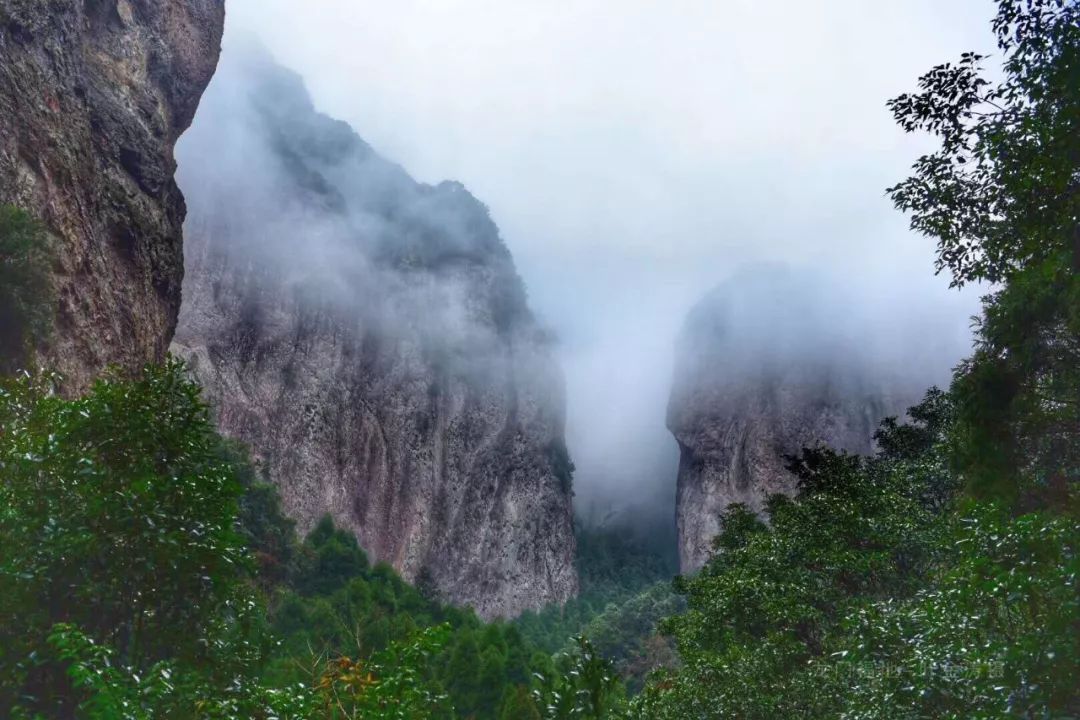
370,340
766,366
93,96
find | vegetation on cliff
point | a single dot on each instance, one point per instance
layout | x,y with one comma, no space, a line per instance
25,289
147,572
938,578
625,570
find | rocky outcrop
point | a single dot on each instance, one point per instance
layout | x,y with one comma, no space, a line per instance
93,96
768,364
368,337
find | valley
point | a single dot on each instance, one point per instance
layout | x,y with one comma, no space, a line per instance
291,431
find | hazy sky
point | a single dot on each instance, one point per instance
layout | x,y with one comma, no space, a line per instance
635,153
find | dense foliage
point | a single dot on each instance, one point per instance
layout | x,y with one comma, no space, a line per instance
1002,198
615,563
624,568
25,293
118,520
878,593
937,579
628,633
335,603
147,572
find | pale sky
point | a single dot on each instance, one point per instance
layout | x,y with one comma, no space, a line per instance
636,153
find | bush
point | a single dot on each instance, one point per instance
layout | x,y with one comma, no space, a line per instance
873,595
118,520
25,291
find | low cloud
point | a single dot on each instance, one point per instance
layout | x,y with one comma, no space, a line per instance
636,154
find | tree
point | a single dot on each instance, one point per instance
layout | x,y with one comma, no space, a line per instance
118,520
331,557
518,704
395,684
872,596
266,531
25,291
462,672
1002,198
585,685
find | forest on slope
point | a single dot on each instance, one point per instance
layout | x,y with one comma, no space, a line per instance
146,572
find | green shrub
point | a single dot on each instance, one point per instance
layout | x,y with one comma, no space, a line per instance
872,595
119,520
25,291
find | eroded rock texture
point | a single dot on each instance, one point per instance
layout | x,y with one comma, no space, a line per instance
370,340
93,96
767,364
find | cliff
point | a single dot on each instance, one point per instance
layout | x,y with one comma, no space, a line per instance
369,338
93,96
767,364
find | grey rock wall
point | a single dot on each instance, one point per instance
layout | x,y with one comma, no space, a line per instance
369,338
767,365
93,96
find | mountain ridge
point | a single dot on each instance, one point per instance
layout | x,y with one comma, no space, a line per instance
369,337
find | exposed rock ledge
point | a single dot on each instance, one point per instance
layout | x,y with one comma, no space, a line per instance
93,96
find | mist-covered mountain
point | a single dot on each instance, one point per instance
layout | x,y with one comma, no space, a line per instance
93,96
772,361
369,338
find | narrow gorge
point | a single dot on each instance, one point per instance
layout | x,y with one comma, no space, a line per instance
725,396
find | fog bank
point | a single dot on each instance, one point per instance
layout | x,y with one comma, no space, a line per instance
636,154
